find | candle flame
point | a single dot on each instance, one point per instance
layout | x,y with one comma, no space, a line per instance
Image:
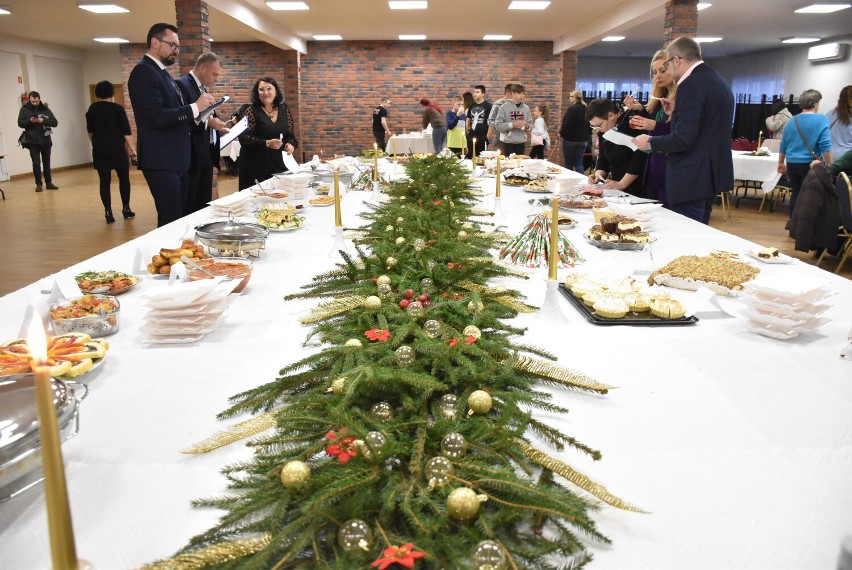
37,340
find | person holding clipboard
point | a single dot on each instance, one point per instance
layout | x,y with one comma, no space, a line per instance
270,131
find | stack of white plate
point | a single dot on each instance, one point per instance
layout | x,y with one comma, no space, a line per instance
645,214
238,204
782,308
185,312
295,184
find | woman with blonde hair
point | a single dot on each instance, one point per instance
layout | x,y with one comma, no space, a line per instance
575,132
653,118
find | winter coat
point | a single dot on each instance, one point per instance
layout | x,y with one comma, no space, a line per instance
816,218
36,133
777,122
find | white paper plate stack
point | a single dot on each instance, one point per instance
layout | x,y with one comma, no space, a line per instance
784,308
185,312
238,204
295,184
645,214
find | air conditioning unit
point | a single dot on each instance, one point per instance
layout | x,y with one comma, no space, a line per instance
828,52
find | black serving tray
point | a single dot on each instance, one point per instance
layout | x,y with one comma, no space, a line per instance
644,319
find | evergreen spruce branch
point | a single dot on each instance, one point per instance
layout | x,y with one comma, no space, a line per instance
336,494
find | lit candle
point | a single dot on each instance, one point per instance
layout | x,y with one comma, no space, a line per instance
63,552
497,191
375,162
338,218
759,137
553,253
474,150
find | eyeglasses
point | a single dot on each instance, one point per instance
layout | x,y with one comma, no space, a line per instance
599,125
173,45
666,63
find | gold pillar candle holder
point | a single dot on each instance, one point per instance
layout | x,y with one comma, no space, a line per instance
497,189
375,162
338,216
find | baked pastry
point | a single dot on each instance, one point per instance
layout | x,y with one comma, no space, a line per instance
726,273
610,307
667,309
595,232
767,253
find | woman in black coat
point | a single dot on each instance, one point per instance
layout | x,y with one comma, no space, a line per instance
109,131
37,121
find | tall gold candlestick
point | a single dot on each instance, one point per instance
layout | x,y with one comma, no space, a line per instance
497,191
474,151
393,145
759,138
338,217
375,162
63,551
553,253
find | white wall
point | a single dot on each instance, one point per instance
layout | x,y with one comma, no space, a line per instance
102,64
56,72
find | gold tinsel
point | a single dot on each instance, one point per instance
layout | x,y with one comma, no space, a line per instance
559,374
214,554
331,308
234,433
544,460
506,298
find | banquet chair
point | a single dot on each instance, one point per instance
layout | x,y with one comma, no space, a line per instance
844,192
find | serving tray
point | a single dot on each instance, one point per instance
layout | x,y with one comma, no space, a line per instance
645,319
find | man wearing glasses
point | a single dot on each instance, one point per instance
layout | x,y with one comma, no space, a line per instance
163,121
698,149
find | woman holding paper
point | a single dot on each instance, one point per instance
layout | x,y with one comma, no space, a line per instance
620,167
270,131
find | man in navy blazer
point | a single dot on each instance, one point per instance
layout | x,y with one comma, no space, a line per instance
204,134
163,123
698,149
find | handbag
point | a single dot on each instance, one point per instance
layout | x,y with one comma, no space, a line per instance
536,140
23,140
805,140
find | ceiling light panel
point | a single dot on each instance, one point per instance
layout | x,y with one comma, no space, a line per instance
412,36
112,40
287,5
612,39
327,37
798,40
5,10
408,4
822,8
496,37
528,5
103,8
708,39
703,5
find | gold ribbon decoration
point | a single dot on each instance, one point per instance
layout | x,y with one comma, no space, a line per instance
234,433
331,308
214,554
564,376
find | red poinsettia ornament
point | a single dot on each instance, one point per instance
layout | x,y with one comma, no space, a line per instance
377,334
404,555
342,447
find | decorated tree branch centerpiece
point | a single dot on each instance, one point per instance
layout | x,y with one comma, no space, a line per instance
404,443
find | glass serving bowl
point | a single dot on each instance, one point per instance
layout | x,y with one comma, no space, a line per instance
98,315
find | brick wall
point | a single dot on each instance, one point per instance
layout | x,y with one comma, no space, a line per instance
333,90
681,20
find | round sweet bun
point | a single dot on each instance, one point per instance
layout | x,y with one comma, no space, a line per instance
667,309
611,307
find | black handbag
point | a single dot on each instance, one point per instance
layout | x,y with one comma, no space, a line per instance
23,140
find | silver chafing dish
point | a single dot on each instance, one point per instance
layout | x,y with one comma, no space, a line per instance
233,238
20,457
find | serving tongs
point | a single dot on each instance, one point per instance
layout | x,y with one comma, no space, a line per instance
194,265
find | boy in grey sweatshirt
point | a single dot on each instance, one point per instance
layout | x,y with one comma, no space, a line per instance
513,121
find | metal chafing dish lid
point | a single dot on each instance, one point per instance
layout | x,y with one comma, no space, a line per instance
18,415
232,230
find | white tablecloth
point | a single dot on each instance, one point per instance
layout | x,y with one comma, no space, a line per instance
739,445
761,168
418,143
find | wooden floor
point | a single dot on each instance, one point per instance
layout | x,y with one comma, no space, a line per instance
48,231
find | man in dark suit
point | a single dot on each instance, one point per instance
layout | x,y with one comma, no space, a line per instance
698,148
205,141
163,122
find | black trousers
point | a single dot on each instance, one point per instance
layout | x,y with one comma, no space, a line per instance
170,191
480,144
40,155
513,148
105,176
380,139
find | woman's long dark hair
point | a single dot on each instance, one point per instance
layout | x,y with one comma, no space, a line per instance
255,95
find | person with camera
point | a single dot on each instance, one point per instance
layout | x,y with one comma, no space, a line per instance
38,121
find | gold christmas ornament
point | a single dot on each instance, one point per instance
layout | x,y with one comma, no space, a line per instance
400,219
462,235
383,280
415,309
404,355
389,228
354,534
463,504
400,240
473,331
479,402
295,474
373,303
391,262
337,384
447,405
427,283
353,342
419,244
453,445
382,411
475,306
432,328
384,290
438,471
488,555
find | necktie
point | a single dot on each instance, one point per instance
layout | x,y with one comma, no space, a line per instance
174,86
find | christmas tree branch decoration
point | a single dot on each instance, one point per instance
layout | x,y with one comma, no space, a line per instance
213,554
559,375
234,433
332,308
577,478
400,440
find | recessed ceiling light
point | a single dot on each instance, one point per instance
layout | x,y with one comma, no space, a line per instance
797,40
612,39
822,8
5,10
412,36
708,40
112,40
528,5
327,37
407,4
702,5
496,37
210,40
103,8
287,5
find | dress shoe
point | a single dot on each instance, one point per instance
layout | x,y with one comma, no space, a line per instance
51,186
39,188
108,215
127,212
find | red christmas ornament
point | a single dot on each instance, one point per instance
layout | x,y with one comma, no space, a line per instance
404,555
343,448
403,303
452,342
377,334
408,293
470,340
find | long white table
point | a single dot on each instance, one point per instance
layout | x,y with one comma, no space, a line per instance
416,143
740,446
762,169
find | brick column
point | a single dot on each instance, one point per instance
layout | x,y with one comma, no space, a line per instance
569,83
193,30
681,20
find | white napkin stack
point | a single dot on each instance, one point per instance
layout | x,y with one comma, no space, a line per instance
185,312
782,308
238,204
